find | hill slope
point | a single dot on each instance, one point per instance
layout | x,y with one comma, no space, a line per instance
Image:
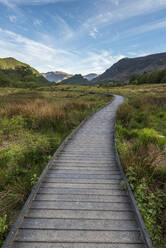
76,79
11,63
18,74
90,76
56,76
125,68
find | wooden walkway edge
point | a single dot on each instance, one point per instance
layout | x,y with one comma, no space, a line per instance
77,201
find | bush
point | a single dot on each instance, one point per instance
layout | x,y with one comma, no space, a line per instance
141,144
125,114
3,227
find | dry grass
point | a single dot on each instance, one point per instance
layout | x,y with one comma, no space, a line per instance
81,105
39,108
32,126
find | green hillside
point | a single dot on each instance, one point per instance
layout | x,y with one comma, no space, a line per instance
11,63
77,79
14,73
155,77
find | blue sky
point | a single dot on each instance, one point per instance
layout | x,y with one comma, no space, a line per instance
80,36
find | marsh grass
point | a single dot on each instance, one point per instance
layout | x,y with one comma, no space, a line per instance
32,126
141,141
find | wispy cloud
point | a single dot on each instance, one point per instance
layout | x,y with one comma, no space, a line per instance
160,24
37,22
152,26
12,44
12,3
93,32
45,58
98,62
64,27
9,4
116,2
12,18
124,10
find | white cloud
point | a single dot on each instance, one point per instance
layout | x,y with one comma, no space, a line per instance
93,32
148,27
45,58
12,3
160,24
37,22
110,14
35,53
98,62
12,18
116,2
65,29
9,4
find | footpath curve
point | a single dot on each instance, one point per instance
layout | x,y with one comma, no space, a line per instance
77,202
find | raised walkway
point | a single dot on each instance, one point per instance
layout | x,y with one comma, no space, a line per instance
79,203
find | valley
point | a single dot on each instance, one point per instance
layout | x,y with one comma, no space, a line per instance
36,117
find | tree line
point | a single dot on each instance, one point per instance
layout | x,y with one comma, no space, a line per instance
20,77
155,77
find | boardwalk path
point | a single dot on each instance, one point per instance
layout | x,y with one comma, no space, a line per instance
80,204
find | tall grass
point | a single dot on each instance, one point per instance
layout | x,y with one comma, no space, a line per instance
32,126
38,109
141,140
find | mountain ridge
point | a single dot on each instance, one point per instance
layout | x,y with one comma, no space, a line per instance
56,76
90,76
76,79
122,70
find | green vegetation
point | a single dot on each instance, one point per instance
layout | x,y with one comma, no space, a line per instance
33,123
14,73
155,77
3,228
11,63
141,141
77,79
36,119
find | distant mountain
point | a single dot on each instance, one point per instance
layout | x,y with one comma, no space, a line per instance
76,79
125,68
14,73
56,76
90,76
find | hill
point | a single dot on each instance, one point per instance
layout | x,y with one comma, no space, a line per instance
76,79
56,76
11,63
125,68
14,73
90,76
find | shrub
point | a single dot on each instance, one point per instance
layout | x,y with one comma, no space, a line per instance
141,144
3,227
125,114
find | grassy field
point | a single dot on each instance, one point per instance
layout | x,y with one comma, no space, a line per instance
33,123
141,141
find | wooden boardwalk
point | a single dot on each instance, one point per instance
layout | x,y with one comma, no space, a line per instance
79,203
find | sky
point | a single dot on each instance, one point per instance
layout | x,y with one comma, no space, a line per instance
80,36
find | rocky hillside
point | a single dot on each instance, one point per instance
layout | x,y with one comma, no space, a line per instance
125,68
56,76
90,76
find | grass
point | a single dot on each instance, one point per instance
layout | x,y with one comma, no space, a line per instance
141,142
33,123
